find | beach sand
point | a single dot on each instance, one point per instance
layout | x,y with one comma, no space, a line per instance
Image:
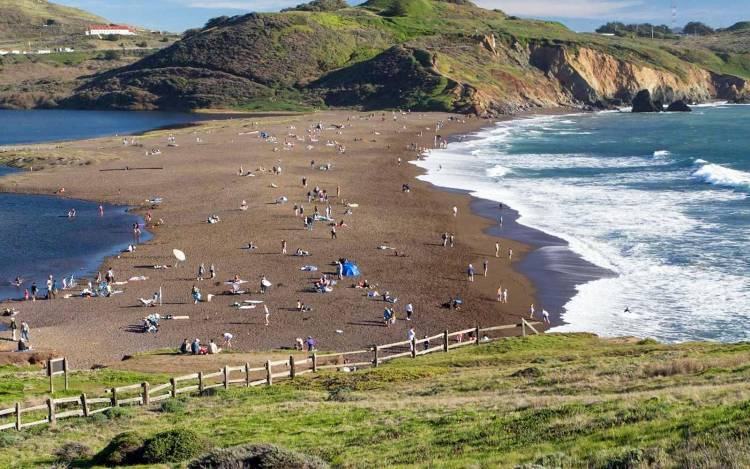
200,178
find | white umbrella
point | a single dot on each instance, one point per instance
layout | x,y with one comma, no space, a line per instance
179,255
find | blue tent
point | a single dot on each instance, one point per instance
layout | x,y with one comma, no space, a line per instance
349,269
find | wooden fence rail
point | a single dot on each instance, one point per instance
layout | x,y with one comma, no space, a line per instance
144,394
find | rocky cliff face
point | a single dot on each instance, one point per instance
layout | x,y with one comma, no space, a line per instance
439,55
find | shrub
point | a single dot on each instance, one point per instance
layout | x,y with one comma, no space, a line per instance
117,413
124,448
172,446
111,55
173,406
256,456
9,439
71,452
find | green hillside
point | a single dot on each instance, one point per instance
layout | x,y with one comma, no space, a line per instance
40,22
554,400
447,55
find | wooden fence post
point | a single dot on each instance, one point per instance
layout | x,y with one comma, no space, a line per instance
84,405
49,372
292,366
413,345
445,341
114,397
315,362
476,333
200,382
65,372
18,416
247,375
51,417
376,362
226,377
174,387
269,371
523,327
146,399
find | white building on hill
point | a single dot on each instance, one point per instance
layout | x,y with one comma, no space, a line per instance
110,29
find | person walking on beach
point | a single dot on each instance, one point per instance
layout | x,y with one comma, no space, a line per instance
25,331
500,222
497,249
445,239
13,328
101,211
333,232
500,293
485,266
505,295
455,211
201,271
531,311
545,317
452,238
409,311
283,246
411,336
267,315
34,291
470,273
212,271
50,294
510,254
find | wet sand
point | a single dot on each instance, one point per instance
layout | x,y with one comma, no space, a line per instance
200,178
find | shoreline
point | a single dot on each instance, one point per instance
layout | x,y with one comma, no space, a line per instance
470,230
553,268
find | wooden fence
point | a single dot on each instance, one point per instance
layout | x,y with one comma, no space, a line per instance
144,394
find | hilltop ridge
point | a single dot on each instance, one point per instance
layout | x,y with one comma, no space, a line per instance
442,55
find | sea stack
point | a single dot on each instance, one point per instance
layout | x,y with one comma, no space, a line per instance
643,103
679,106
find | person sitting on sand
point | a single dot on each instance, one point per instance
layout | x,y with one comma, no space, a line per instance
299,344
213,349
301,253
185,347
23,345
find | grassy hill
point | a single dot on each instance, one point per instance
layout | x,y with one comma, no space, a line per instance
555,400
40,22
444,55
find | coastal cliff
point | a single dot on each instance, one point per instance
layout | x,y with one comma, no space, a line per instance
412,54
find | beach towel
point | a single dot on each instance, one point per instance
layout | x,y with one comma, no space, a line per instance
308,268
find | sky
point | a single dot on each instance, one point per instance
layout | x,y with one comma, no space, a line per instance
579,15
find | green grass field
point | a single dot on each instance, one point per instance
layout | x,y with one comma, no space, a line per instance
552,400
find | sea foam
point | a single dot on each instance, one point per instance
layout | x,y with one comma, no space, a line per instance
722,176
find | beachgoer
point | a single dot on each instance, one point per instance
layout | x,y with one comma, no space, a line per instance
333,232
195,347
485,265
25,331
510,254
201,271
470,272
185,347
212,271
455,211
267,315
545,317
445,239
34,291
213,349
500,293
497,249
531,311
452,238
13,328
310,343
227,340
283,246
409,311
505,295
411,336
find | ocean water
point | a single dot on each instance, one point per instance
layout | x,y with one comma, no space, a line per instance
661,201
53,125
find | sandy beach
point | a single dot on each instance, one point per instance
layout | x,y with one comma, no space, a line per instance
200,178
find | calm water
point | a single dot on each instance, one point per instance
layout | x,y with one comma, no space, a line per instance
51,125
36,237
660,200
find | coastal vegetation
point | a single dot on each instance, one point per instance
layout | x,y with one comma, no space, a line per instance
445,55
557,400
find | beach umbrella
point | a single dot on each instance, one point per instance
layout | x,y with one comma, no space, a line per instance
179,255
